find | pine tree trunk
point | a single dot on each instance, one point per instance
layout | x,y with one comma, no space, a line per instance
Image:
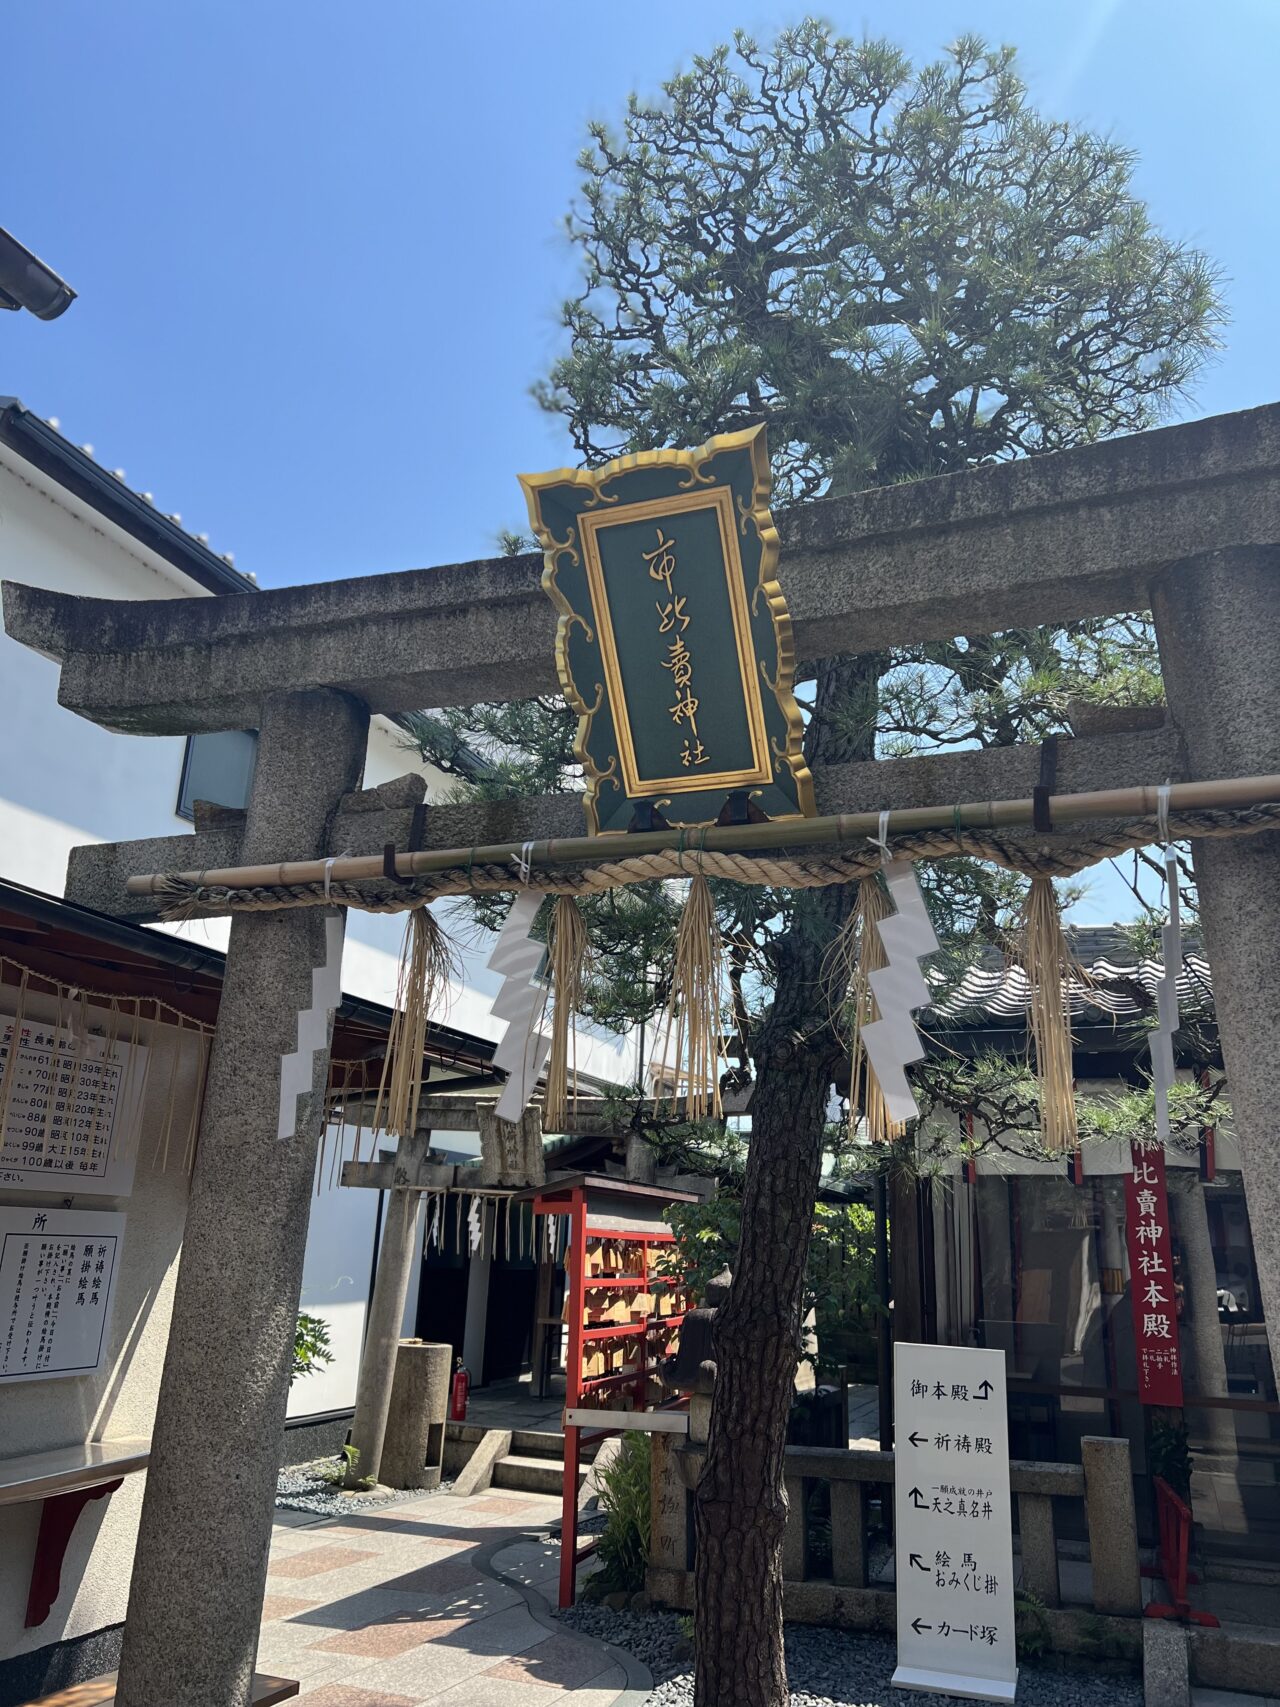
741,1505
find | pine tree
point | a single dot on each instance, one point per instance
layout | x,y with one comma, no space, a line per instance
905,272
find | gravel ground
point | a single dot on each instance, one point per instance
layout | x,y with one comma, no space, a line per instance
655,1638
307,1487
830,1668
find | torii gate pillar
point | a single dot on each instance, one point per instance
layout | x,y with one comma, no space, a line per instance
191,1633
1218,624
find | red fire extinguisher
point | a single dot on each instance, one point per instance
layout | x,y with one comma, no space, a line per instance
458,1396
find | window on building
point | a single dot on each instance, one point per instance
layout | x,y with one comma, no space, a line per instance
217,768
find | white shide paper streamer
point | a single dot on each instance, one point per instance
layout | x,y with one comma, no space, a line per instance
892,1041
524,1049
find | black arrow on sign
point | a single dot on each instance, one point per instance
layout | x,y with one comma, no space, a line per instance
918,1562
918,1624
978,1390
916,1500
918,1439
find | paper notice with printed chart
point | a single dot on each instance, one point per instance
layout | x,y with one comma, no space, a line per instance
70,1107
58,1271
954,1535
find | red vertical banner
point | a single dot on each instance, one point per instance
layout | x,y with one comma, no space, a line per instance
1155,1319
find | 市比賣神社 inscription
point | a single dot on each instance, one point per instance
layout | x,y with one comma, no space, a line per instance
674,643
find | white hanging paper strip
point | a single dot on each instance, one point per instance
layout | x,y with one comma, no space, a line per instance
1162,1068
313,1028
892,1041
475,1224
523,1050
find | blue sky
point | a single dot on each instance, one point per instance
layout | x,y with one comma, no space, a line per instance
319,250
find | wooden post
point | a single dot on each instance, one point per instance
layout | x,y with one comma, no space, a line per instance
541,1325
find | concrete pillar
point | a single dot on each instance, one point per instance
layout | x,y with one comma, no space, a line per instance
477,1301
668,1506
700,1418
1166,1664
1218,624
642,1160
1038,1534
1113,1525
396,1258
795,1548
195,1600
848,1534
1200,1331
511,1150
413,1445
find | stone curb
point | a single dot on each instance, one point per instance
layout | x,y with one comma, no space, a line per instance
639,1682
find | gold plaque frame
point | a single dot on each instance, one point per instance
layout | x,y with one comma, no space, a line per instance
775,755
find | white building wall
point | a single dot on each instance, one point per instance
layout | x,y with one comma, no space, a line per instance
336,1274
65,782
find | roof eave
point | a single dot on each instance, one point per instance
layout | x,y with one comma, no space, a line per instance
45,448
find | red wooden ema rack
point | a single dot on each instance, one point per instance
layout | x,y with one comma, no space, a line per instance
617,1212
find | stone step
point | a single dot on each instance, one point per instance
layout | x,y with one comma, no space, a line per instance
533,1444
470,1433
461,1440
532,1475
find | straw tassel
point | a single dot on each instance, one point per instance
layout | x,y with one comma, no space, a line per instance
695,1003
426,965
1046,960
860,952
568,959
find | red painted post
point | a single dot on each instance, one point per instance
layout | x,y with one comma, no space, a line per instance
577,1254
1173,1519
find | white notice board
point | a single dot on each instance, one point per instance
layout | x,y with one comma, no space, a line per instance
58,1271
954,1537
70,1107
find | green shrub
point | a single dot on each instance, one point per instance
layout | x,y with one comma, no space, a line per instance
310,1345
347,1464
624,1496
1034,1637
840,1280
1168,1454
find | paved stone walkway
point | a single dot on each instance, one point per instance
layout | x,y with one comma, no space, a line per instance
395,1609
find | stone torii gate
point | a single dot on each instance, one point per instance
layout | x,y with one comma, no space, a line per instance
1184,521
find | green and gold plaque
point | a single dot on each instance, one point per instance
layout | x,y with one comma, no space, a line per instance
673,642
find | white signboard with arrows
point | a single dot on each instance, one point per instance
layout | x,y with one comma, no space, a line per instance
952,1520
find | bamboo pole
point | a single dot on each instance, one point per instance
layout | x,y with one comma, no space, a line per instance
1222,794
